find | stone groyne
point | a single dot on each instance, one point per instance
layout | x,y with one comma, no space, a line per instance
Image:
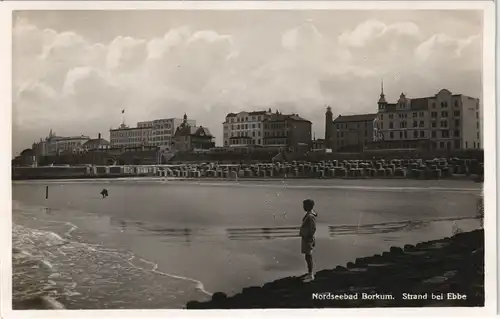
441,273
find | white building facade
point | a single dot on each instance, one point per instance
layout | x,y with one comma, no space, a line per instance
244,128
446,121
157,132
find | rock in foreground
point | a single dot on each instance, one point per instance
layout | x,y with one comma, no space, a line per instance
441,273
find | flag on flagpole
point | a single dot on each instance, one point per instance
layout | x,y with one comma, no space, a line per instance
123,111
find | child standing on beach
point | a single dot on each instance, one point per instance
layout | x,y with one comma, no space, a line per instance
307,231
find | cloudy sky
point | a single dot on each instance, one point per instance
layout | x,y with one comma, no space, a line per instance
74,71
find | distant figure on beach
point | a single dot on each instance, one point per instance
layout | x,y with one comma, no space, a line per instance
307,231
104,193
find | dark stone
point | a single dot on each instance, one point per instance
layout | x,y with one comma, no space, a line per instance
219,297
374,259
396,250
409,248
193,304
323,274
251,290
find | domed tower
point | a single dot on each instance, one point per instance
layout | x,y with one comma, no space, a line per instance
328,127
382,103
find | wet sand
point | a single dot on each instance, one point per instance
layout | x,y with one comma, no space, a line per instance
147,238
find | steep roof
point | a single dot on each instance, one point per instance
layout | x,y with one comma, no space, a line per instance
419,104
96,141
187,130
249,113
283,117
355,118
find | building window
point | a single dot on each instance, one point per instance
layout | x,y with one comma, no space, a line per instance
477,135
401,135
474,144
391,135
381,117
422,134
444,123
433,134
391,125
415,134
433,124
444,114
391,116
477,115
456,103
434,114
441,145
478,145
477,125
456,113
421,114
466,146
415,124
421,124
445,134
406,134
414,114
456,133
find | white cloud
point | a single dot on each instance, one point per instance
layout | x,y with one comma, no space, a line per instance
208,73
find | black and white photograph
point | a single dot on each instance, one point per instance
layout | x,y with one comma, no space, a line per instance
220,157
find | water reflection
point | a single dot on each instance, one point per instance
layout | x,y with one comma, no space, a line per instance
188,235
267,233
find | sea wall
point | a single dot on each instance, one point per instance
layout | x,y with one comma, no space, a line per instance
441,273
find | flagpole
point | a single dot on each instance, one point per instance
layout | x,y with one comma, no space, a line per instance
123,117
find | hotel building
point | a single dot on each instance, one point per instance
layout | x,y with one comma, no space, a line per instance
53,144
244,128
349,132
288,130
147,133
444,121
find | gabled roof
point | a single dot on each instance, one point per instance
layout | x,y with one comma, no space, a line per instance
249,113
355,118
96,141
187,130
419,104
283,117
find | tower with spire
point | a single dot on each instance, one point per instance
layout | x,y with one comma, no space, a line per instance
382,103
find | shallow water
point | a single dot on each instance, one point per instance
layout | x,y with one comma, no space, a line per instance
159,244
